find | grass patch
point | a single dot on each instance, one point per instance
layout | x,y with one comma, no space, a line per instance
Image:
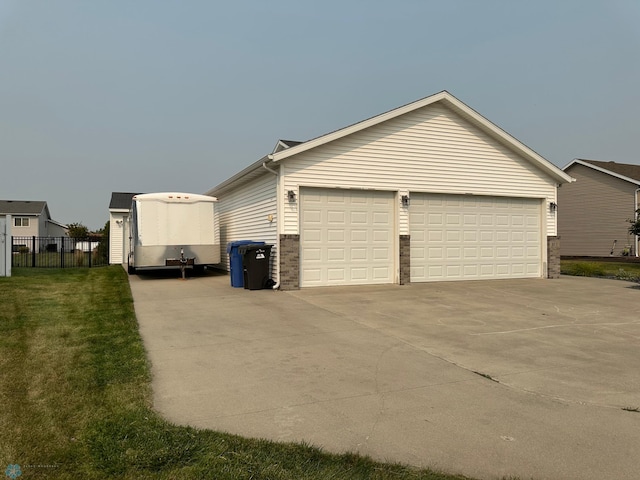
76,397
620,271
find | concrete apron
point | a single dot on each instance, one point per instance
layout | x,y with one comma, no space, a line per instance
488,378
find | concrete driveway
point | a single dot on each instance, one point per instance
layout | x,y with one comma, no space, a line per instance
530,378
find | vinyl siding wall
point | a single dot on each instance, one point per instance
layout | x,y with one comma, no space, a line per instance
116,237
428,150
243,215
593,212
32,230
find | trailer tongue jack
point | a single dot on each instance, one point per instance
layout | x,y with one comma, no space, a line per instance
181,262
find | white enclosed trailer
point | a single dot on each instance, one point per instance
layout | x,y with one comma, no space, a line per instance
173,229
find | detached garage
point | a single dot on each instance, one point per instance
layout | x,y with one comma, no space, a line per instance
430,191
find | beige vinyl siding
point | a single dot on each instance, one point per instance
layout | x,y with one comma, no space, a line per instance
32,230
431,150
593,212
116,237
243,214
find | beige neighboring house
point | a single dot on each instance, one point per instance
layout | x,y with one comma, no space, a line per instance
429,191
32,219
118,227
593,212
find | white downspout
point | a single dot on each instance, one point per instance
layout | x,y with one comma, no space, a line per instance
264,165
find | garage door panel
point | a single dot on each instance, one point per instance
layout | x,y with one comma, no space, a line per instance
435,219
335,235
335,274
360,235
335,254
359,218
336,217
382,236
358,274
381,254
433,235
381,273
351,233
312,216
314,235
455,237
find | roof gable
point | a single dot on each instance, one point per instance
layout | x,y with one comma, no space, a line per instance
624,171
286,148
23,207
453,104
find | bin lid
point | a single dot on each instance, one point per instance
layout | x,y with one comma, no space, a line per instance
250,247
237,243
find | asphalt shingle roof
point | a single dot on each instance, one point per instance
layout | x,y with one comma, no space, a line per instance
121,200
21,207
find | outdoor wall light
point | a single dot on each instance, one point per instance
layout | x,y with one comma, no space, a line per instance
291,196
553,206
405,200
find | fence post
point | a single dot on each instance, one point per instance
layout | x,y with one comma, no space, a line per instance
33,251
61,252
90,252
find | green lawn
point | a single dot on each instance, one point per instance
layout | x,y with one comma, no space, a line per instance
76,398
592,268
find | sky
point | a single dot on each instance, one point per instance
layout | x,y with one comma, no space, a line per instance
109,96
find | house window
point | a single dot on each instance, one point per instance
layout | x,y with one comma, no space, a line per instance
21,222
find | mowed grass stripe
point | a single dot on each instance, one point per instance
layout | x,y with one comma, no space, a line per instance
76,396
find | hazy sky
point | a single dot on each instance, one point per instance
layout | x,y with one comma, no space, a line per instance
150,95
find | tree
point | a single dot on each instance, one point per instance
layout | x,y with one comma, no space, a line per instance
103,246
78,230
634,229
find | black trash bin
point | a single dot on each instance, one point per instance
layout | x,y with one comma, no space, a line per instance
255,263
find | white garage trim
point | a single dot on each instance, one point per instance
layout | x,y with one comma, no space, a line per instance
458,237
347,237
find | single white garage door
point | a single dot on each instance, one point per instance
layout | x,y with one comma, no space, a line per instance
460,237
346,237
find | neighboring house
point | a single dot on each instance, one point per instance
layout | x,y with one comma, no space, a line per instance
429,191
593,212
118,227
32,219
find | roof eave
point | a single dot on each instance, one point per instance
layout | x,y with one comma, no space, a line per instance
601,169
241,177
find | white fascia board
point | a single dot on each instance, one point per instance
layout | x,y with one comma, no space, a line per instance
57,223
453,102
603,170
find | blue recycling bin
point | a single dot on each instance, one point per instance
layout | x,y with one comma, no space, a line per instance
236,269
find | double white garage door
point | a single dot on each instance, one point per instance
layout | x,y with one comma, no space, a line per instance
348,237
458,237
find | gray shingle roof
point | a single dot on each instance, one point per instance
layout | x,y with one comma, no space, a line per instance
121,200
624,169
21,207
